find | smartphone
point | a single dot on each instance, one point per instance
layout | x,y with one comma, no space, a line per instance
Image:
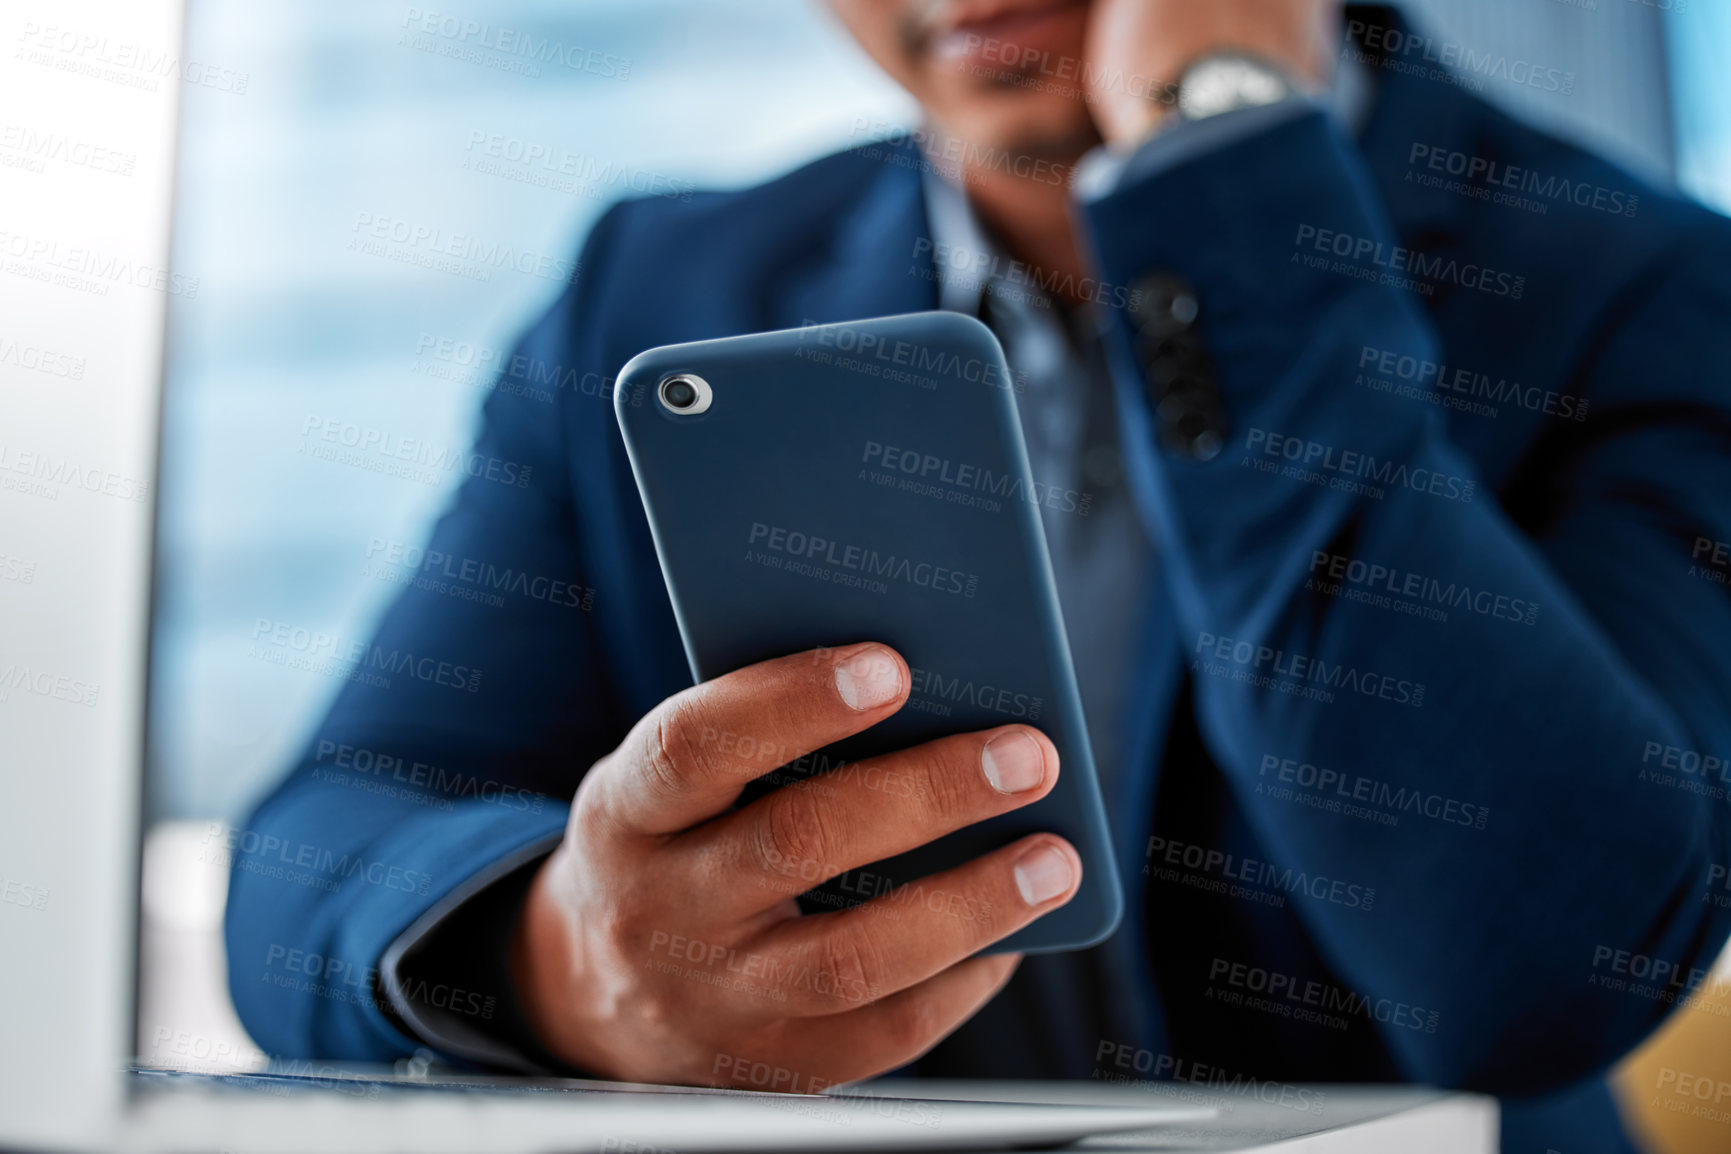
868,481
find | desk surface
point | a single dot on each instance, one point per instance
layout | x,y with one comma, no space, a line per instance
360,1111
1262,1116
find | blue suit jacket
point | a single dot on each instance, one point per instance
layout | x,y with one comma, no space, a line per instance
1531,829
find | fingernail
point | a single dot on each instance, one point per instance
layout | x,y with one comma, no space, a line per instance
1043,873
1013,762
868,679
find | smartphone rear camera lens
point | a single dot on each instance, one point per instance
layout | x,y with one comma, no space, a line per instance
685,394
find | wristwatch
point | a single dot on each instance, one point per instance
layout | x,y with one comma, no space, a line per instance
1228,81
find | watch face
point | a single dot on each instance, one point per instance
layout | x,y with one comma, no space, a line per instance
1220,84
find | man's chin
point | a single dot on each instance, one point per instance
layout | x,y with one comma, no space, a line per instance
1010,137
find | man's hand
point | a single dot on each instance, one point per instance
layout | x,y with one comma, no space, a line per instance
1140,46
661,942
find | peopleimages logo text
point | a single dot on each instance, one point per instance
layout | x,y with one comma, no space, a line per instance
1364,466
1278,664
257,849
939,693
316,645
811,548
1454,383
1391,46
517,43
1326,997
1400,259
1354,787
1481,171
865,344
1396,582
930,469
381,450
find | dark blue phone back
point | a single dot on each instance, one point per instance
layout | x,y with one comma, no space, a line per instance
868,481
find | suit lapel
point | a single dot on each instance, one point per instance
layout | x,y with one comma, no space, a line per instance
878,260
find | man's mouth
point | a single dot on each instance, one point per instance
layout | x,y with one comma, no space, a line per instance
1007,35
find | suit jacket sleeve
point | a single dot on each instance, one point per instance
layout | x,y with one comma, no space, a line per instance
458,737
1521,928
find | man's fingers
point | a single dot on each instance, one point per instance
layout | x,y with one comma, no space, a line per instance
815,1054
865,954
687,759
806,833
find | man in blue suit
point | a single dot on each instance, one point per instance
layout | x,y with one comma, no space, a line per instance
1403,438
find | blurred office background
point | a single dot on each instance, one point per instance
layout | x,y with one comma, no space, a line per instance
339,115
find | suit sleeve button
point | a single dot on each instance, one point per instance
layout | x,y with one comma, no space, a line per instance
1164,305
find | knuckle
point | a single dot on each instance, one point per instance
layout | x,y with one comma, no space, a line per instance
591,823
850,969
796,832
659,1005
985,920
953,787
659,1014
670,757
912,1024
619,926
